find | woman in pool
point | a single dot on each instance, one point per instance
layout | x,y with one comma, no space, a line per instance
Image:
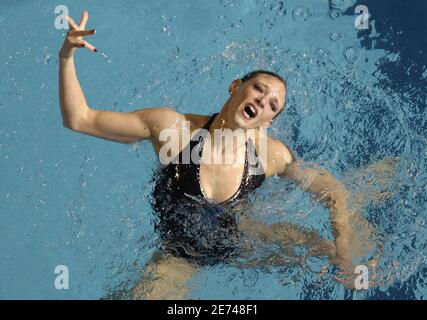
201,205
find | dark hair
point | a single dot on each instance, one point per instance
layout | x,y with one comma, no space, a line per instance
253,74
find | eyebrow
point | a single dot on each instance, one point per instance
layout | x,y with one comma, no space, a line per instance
274,99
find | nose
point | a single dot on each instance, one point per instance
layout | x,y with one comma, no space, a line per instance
262,101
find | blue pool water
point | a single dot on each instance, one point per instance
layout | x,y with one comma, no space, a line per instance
355,97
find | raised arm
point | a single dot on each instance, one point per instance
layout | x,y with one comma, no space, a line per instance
72,100
125,127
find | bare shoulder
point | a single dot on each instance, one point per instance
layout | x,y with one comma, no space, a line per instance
196,120
279,156
279,149
160,118
167,121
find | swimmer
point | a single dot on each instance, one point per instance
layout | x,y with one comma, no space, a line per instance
201,205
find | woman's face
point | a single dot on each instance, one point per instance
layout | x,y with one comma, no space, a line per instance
254,103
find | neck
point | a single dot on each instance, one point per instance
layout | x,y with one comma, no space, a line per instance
223,120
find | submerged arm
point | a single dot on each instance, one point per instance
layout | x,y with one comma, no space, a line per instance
287,235
334,196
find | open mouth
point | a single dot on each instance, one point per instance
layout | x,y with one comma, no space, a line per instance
249,112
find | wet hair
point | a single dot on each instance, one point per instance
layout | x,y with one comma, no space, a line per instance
253,74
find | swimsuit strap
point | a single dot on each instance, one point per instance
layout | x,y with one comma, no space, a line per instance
211,119
252,177
187,173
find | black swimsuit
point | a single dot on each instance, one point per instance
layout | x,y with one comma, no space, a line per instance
191,225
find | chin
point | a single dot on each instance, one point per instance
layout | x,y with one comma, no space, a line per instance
240,121
244,123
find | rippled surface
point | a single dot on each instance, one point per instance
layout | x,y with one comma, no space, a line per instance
355,97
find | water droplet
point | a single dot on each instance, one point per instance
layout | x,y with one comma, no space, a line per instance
393,57
342,5
301,13
230,51
335,36
334,13
228,3
47,59
106,57
351,54
279,8
323,53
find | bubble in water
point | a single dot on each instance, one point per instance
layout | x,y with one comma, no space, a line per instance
228,3
341,5
393,57
301,13
335,13
323,53
230,51
335,36
351,54
279,8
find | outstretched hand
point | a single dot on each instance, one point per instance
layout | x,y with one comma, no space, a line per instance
74,38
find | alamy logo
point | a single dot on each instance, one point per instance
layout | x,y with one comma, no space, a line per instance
60,22
223,151
362,280
62,280
362,20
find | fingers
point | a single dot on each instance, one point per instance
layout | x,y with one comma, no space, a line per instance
71,22
84,33
84,44
78,31
89,46
83,21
